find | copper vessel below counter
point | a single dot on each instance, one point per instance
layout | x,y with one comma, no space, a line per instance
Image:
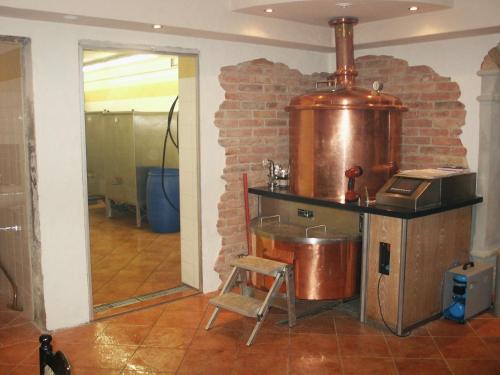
326,264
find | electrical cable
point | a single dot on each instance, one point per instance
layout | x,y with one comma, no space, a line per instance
382,316
168,135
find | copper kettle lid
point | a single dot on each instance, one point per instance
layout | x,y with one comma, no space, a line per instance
346,98
341,92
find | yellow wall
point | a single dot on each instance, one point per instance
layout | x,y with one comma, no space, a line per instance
148,86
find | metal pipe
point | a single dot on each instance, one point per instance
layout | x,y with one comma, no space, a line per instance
344,50
15,306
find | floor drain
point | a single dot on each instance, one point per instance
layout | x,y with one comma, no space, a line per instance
142,298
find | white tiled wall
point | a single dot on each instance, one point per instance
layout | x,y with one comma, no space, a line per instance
14,247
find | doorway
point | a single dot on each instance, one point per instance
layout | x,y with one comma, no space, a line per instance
141,138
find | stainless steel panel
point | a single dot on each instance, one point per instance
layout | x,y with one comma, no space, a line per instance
340,220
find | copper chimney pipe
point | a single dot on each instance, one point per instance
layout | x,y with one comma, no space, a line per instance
344,48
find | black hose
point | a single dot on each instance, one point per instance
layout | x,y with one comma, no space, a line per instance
382,316
168,135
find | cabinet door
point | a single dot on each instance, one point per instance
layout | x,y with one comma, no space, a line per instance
435,243
388,230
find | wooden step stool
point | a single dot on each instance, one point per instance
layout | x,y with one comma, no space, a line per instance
253,307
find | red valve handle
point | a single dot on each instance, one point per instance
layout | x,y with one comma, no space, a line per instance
351,174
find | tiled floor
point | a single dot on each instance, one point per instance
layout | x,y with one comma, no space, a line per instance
170,339
128,261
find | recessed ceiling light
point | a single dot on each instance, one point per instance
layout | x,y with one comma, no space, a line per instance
344,5
70,17
269,10
413,8
157,27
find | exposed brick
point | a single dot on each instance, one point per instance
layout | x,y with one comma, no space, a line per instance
253,125
277,122
264,114
251,87
441,95
433,132
250,122
446,141
416,140
264,132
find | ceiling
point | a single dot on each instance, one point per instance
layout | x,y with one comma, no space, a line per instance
319,12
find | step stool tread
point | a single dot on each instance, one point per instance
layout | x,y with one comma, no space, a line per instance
260,265
244,305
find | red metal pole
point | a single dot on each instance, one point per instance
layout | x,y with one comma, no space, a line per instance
247,212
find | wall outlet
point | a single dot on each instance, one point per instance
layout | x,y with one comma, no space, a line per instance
384,258
305,213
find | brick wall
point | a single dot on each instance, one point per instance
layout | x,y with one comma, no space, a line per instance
253,126
431,127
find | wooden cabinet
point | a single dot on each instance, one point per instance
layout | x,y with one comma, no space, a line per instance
421,250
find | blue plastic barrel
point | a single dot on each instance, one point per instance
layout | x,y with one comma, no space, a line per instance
162,217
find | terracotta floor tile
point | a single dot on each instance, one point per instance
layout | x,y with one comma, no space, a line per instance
197,303
136,372
216,339
19,333
123,334
156,359
407,366
266,342
87,333
6,317
444,327
167,337
346,325
363,346
466,367
120,263
486,327
462,348
493,345
413,347
23,370
269,364
98,356
183,319
6,369
368,366
17,353
228,320
320,323
145,317
313,343
273,323
94,371
317,364
207,362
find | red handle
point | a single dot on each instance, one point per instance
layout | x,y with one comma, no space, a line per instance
351,174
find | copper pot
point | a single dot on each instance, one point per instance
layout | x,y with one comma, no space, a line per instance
326,263
342,126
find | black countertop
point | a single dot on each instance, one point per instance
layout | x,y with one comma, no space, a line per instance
371,208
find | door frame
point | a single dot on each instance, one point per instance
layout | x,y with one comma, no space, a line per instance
92,44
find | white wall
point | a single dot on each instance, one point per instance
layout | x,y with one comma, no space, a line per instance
59,142
459,59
